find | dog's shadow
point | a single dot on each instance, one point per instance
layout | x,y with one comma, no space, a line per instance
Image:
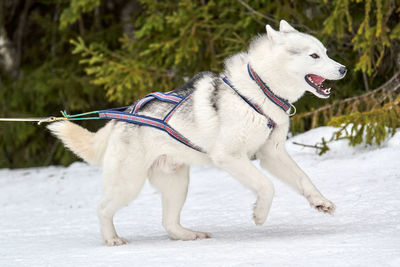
252,233
239,233
280,232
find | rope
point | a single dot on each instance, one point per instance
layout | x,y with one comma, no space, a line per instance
53,119
79,116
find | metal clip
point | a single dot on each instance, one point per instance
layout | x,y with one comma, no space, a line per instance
51,119
292,107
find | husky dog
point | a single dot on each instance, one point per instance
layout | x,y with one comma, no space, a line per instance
220,118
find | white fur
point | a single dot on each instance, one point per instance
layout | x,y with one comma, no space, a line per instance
87,145
230,135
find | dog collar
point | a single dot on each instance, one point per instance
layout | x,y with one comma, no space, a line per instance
280,102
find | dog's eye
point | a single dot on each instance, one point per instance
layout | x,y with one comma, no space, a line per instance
314,55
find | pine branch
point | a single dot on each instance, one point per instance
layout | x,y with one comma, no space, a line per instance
321,148
305,145
271,19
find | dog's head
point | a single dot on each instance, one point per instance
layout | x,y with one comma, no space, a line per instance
300,60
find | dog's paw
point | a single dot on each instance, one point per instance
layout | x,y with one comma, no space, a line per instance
260,212
186,234
322,204
115,241
198,235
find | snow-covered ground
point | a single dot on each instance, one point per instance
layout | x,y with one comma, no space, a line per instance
48,216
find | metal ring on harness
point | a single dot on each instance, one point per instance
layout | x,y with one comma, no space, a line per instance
292,107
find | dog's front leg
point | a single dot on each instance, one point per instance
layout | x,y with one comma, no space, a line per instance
274,158
241,168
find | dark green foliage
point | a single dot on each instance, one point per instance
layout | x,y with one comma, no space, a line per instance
49,80
174,40
74,12
49,89
370,127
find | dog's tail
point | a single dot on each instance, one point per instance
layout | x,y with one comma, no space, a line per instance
87,145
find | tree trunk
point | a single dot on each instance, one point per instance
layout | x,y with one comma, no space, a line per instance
126,18
8,61
20,32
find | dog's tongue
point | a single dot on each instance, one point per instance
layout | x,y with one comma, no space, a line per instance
317,79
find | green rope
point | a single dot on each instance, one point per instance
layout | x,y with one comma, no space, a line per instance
84,118
79,116
64,113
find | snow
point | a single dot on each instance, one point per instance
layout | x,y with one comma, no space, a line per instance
48,216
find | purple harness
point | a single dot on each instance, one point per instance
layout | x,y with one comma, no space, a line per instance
133,117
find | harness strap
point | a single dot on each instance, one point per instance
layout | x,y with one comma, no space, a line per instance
174,98
172,111
280,102
271,124
147,121
132,117
167,97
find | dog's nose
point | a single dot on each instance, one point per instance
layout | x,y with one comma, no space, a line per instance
343,70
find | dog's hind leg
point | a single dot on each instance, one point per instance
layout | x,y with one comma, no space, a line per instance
121,185
173,185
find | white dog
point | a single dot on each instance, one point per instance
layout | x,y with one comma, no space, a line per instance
229,119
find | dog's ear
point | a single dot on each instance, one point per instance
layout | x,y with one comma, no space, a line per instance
285,27
272,34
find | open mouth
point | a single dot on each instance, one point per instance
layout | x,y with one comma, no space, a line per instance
316,82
